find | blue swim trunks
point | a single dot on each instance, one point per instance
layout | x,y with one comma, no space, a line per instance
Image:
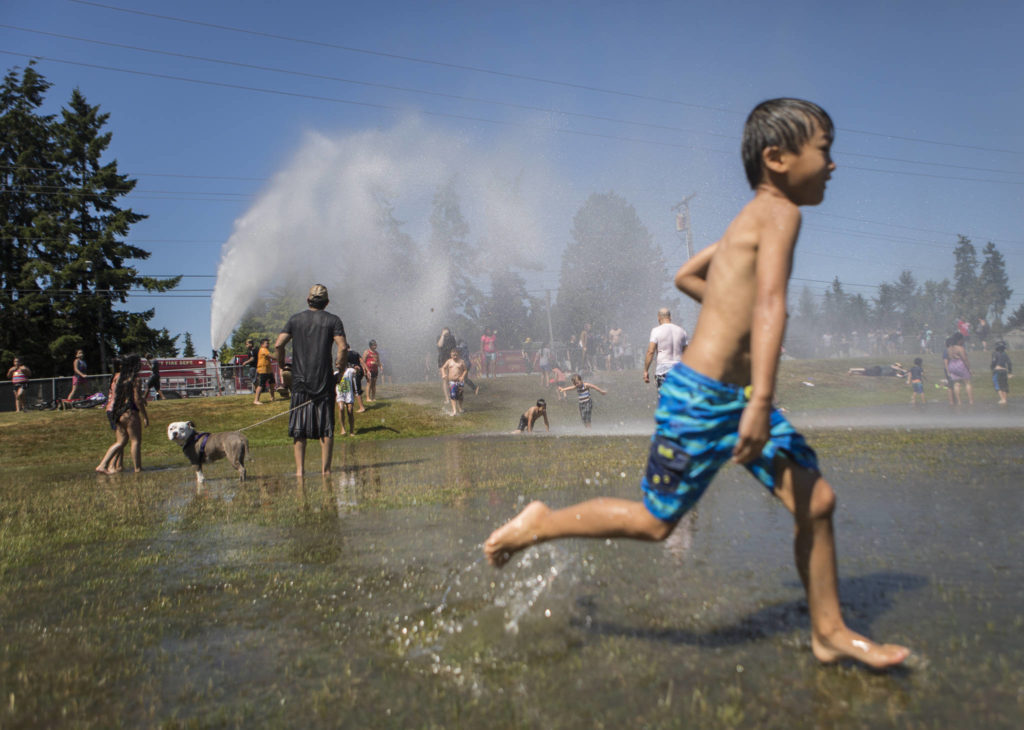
696,428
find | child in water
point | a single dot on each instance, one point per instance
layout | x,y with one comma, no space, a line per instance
345,395
716,404
583,391
527,420
915,378
454,372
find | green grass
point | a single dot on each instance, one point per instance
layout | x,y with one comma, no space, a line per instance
130,600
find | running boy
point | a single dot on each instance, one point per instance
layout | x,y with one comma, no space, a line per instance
527,420
454,372
583,392
716,404
915,377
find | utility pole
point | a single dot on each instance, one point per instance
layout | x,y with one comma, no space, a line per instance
683,222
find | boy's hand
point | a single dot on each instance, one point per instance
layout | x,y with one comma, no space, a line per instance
753,433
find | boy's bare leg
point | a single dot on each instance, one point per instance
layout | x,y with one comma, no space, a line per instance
811,500
601,517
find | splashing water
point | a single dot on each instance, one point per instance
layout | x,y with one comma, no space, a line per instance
337,215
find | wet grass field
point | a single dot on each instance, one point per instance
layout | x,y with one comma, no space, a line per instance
361,599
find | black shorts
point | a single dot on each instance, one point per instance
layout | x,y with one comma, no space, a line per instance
266,380
314,421
523,423
153,383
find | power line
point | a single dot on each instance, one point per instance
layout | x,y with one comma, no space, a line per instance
524,77
448,115
460,97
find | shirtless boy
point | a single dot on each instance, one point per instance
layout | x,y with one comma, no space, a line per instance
454,373
717,402
531,415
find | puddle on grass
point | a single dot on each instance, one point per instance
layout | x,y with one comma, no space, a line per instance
362,600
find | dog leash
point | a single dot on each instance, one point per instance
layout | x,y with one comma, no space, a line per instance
284,413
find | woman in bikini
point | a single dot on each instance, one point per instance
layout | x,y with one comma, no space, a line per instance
127,414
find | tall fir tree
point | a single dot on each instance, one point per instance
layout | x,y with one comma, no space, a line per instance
90,265
612,273
451,250
966,288
994,281
29,174
189,350
65,262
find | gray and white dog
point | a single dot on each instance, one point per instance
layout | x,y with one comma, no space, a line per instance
202,448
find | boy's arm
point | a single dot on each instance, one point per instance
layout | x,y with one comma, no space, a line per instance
591,385
768,324
547,426
692,276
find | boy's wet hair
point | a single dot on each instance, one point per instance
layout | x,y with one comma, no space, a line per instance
541,403
784,123
1000,346
917,361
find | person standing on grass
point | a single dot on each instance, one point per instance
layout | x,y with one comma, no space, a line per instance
313,333
445,344
454,372
346,391
667,342
959,368
372,361
127,414
487,348
264,371
1002,371
19,375
716,404
78,377
915,378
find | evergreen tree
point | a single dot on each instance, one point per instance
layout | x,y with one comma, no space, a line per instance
612,273
64,262
449,248
90,260
28,173
507,309
994,282
189,349
966,288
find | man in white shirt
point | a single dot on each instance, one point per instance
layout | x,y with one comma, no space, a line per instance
668,341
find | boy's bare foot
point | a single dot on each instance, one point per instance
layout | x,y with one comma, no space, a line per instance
101,469
361,410
514,535
257,403
112,470
846,644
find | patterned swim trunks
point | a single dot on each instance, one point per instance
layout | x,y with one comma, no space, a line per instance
696,429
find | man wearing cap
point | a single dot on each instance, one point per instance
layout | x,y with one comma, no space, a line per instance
312,334
667,342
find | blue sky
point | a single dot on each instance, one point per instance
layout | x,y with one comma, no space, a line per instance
646,99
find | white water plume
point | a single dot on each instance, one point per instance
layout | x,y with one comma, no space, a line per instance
325,217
